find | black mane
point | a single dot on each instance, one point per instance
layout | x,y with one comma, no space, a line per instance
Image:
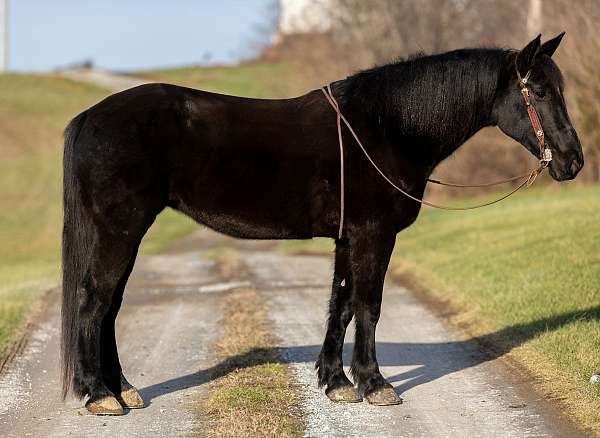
445,97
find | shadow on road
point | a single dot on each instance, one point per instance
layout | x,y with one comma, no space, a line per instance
428,361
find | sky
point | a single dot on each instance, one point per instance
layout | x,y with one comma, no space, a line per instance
134,34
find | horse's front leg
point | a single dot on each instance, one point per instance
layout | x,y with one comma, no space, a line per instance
370,252
330,367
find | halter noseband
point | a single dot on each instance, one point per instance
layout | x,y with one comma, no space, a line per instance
534,118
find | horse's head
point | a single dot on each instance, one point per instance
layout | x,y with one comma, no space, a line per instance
545,88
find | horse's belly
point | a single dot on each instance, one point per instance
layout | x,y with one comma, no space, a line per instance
248,216
252,227
260,189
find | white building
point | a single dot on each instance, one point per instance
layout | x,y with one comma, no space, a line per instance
303,16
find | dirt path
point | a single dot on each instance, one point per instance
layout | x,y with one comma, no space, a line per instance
168,323
104,78
170,319
448,387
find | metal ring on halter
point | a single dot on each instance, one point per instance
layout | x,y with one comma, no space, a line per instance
547,155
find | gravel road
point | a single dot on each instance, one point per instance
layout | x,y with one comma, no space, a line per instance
104,78
449,387
165,330
170,319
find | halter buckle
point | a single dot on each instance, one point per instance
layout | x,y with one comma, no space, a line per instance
546,155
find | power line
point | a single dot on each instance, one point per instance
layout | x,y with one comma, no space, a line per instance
4,35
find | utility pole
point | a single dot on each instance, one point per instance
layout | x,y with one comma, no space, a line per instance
4,35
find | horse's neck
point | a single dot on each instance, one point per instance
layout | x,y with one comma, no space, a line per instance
429,115
447,118
453,135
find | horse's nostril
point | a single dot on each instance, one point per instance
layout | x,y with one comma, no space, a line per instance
575,166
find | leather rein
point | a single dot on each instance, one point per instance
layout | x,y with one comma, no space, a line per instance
527,179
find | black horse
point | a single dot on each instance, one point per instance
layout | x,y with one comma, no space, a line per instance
270,169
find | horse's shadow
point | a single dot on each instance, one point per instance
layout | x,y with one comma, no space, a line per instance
428,361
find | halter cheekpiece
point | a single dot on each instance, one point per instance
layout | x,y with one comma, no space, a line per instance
536,124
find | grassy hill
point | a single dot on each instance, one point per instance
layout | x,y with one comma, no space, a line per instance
525,273
261,80
34,110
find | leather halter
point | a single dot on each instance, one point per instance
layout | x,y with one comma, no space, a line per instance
534,118
528,179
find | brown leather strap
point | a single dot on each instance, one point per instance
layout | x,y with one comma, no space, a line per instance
534,118
335,105
529,178
490,184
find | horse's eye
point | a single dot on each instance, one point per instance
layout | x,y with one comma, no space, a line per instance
540,93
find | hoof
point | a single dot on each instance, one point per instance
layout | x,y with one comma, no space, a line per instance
131,398
344,394
105,406
384,397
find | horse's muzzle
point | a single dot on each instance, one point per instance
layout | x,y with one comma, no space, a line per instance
567,169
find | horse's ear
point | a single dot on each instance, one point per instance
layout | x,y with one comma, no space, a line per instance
550,46
526,57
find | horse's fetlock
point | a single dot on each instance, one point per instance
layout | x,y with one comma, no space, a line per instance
330,373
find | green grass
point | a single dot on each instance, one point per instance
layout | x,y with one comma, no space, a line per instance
528,272
250,80
249,395
525,272
252,393
34,110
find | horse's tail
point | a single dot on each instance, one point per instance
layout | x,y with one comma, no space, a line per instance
76,241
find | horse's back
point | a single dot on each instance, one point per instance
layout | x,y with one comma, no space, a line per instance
246,167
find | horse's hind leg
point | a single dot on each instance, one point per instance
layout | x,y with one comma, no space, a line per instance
114,247
112,372
109,261
329,364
